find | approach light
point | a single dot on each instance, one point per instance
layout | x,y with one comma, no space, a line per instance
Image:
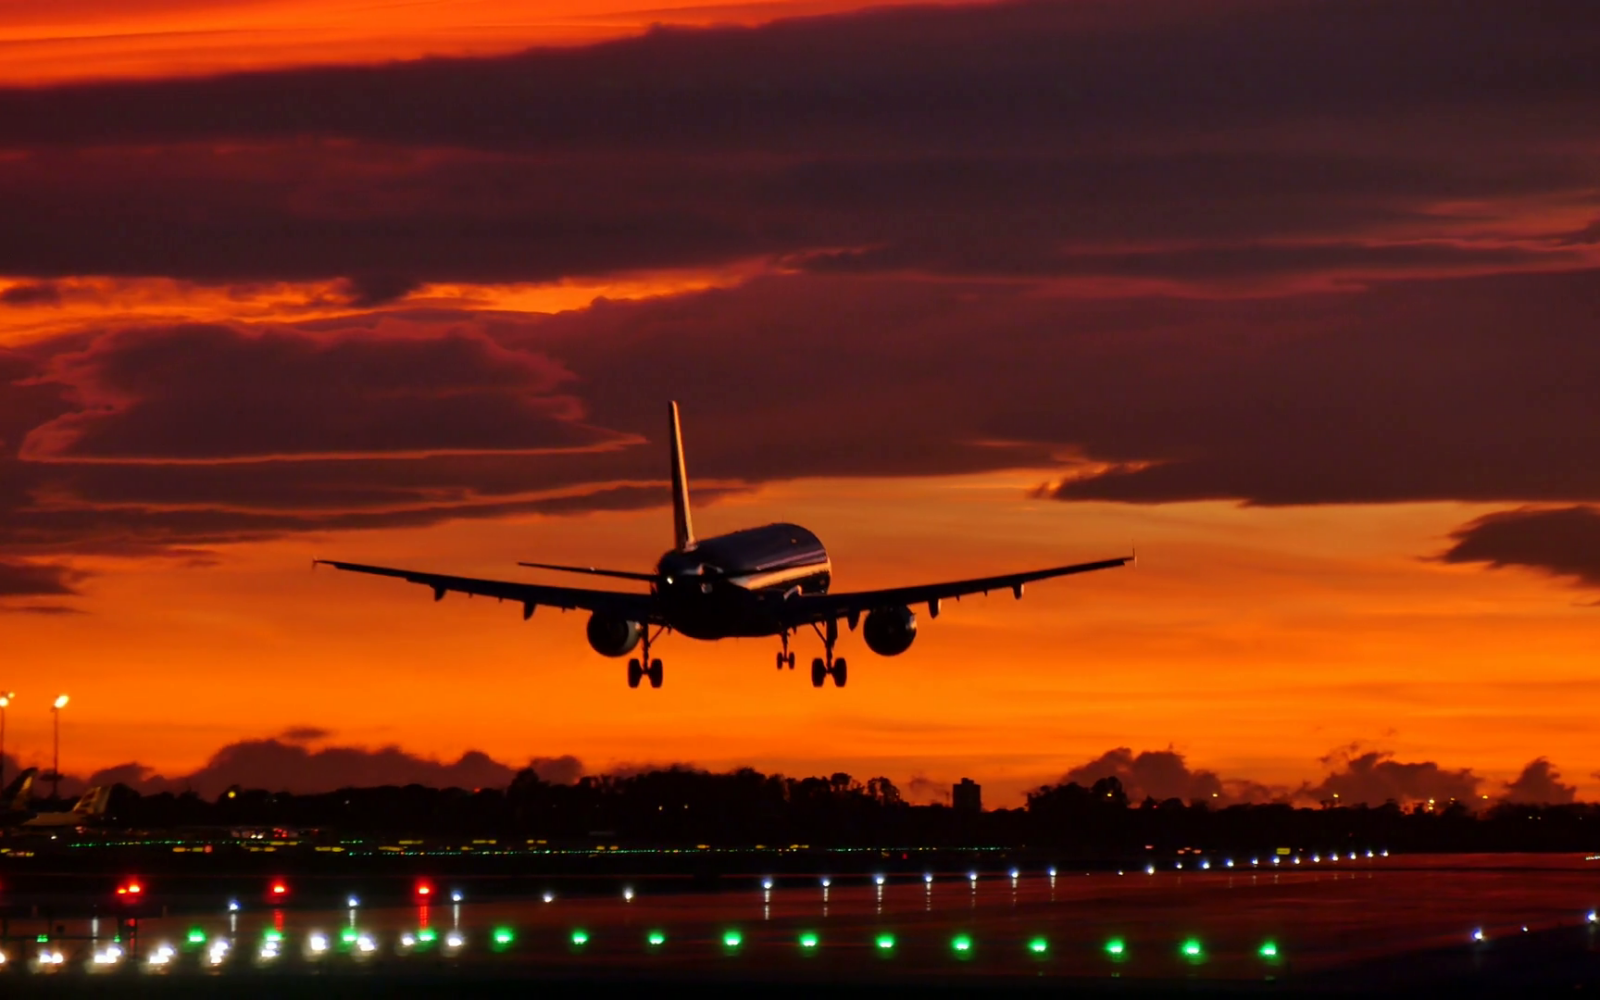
961,943
1115,947
656,939
1268,949
1191,948
1369,852
732,939
159,957
580,937
1255,862
1352,855
808,939
1315,858
1384,852
1038,946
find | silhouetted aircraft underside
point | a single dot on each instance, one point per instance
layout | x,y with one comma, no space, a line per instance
766,581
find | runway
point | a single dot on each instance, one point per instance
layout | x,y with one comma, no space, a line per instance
1307,923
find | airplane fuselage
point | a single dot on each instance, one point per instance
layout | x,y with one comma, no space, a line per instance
734,585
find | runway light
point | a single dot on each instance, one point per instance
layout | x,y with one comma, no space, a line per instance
408,940
1052,873
1268,949
808,940
424,890
1038,946
961,943
1369,852
1191,948
455,941
885,942
352,902
549,897
317,942
279,890
877,879
1477,934
1255,862
1014,874
504,936
1594,916
1228,863
580,937
732,939
766,883
427,935
347,936
928,878
455,896
233,906
627,894
1297,859
1276,859
656,939
1205,866
826,881
1115,947
972,876
196,936
1149,869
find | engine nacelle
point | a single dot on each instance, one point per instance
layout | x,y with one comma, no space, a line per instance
890,631
613,636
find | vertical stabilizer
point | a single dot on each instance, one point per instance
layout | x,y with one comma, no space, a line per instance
19,792
682,530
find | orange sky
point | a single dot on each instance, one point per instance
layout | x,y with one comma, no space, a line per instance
1293,341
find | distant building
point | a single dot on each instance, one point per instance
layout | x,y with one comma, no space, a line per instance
967,796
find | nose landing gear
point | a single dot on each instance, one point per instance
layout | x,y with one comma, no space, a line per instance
638,669
824,665
785,658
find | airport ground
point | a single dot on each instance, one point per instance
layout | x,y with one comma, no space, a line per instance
1462,924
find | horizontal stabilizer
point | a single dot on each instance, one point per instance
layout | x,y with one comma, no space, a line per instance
620,574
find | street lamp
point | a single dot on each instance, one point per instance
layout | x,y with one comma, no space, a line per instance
55,770
5,703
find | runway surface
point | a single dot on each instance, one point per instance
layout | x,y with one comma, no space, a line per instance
1328,924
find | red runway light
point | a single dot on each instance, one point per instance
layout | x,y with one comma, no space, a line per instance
130,889
279,889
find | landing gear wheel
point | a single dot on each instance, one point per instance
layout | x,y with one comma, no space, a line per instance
819,672
840,672
655,673
635,672
780,661
790,659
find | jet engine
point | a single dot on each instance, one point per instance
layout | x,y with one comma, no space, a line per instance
613,636
889,631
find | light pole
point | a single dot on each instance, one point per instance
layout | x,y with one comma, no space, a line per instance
5,703
55,770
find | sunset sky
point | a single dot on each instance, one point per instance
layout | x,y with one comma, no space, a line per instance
1299,297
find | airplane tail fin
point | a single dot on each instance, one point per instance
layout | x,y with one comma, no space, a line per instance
93,802
682,529
20,790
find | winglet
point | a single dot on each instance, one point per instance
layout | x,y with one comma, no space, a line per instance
682,529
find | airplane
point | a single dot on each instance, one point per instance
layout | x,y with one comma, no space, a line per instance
89,810
767,581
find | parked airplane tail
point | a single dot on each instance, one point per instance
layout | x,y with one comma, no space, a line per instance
93,801
17,794
682,529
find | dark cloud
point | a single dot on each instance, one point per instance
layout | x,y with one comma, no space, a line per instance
1539,783
1562,542
40,609
304,734
41,293
25,579
1158,774
1374,778
996,139
368,290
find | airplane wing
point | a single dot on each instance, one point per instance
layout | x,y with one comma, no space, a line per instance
631,607
809,608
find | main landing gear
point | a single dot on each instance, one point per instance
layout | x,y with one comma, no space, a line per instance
638,669
821,667
785,658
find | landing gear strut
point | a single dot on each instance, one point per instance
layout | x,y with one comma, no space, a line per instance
820,667
785,658
638,669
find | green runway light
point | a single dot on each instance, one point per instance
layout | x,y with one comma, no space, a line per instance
348,936
732,939
197,936
961,943
1115,947
1038,946
885,941
1191,948
273,935
427,935
503,935
43,939
808,940
656,939
580,937
1268,950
